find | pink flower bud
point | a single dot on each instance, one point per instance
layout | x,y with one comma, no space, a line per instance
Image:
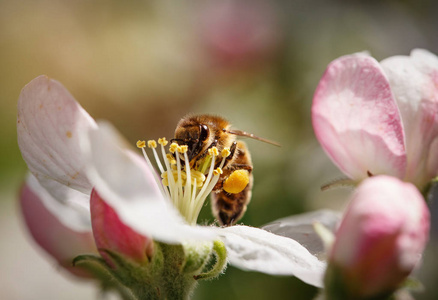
380,239
60,241
110,233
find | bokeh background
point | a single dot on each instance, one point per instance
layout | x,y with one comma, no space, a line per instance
144,64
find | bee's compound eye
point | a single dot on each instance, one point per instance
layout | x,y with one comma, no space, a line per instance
204,132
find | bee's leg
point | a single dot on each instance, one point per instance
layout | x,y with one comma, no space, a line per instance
230,157
228,172
235,167
239,159
230,198
201,156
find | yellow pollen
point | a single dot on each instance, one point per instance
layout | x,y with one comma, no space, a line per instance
236,182
213,151
173,147
175,174
165,178
165,182
162,141
200,178
182,149
141,144
170,158
225,152
152,144
218,171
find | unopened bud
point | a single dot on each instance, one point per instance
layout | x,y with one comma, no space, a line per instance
379,241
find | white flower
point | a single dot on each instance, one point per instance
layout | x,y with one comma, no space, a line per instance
63,146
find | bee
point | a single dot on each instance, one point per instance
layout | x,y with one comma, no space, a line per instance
202,132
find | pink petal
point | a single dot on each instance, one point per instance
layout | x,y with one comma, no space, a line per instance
111,234
60,241
49,122
382,235
432,162
414,81
356,119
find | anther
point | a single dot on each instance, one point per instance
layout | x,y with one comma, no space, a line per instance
217,171
183,149
141,144
173,147
152,144
162,141
225,152
213,151
170,158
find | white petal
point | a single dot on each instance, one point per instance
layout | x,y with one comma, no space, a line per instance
425,61
71,208
255,249
300,228
124,180
49,122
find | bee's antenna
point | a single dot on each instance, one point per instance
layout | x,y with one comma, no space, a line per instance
250,135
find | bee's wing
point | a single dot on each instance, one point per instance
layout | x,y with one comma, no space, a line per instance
250,135
300,228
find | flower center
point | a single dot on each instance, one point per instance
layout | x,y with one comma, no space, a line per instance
186,187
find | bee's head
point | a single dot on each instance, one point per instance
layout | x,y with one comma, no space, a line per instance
194,136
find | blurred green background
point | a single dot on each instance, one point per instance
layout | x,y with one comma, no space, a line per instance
144,64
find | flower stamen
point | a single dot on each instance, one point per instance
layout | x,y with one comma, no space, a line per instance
217,171
162,141
173,147
187,188
225,152
142,145
153,144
